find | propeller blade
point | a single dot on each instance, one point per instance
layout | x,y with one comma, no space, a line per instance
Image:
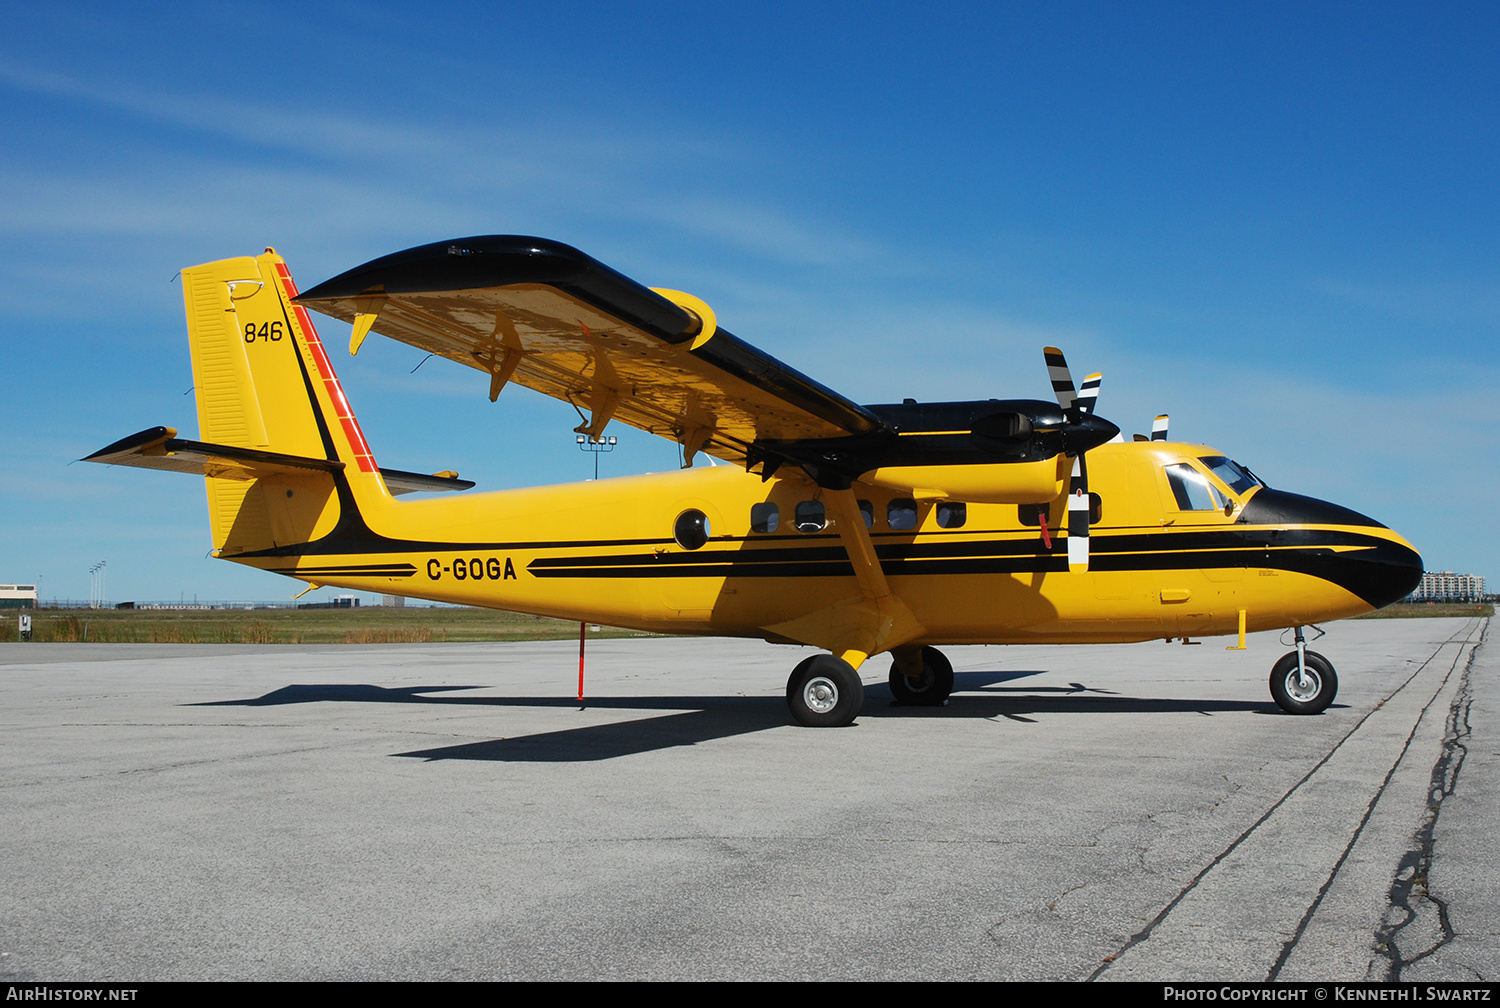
1159,428
1062,378
1082,425
1089,393
1078,517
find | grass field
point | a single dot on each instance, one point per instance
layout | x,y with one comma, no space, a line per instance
1414,610
365,625
377,625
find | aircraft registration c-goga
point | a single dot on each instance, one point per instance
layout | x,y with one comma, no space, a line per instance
859,530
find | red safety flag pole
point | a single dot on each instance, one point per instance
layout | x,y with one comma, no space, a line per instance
581,628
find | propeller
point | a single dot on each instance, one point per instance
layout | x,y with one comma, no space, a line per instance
1158,430
1088,393
1075,406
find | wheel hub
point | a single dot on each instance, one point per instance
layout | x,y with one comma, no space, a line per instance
1303,688
820,695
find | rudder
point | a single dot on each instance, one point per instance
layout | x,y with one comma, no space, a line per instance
263,382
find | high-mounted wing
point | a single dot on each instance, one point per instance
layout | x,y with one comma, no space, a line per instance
547,316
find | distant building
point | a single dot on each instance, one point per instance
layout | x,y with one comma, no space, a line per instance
339,602
17,596
393,601
1446,586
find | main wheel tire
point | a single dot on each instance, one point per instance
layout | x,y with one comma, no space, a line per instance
1303,697
825,692
931,689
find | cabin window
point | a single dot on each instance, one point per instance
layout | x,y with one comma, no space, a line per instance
811,517
952,514
901,514
867,512
1030,514
1193,490
764,517
691,530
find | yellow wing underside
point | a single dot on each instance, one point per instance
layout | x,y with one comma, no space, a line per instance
535,335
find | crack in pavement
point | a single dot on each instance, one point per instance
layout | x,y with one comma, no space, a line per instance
1411,897
1243,896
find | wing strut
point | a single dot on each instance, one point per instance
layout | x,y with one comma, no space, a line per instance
850,525
873,621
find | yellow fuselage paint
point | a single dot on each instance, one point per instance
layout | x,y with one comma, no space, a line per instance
604,551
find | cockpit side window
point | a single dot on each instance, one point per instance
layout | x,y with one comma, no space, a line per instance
1235,476
1193,490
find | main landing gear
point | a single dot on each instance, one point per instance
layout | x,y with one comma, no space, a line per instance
825,692
1303,681
921,677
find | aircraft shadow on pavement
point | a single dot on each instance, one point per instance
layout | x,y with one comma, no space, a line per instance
705,718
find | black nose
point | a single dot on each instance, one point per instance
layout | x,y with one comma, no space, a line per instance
1351,555
1387,573
1086,432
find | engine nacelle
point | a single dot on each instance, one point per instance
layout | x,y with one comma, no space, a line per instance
1001,483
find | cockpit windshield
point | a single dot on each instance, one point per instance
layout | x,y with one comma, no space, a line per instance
1235,476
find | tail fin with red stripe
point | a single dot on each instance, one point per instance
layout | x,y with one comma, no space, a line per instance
265,384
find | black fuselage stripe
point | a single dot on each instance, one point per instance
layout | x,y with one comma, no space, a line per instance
928,545
716,567
1108,553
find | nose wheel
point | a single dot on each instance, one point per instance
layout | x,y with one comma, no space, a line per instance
1307,689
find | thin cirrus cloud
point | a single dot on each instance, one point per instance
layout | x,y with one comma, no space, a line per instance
352,176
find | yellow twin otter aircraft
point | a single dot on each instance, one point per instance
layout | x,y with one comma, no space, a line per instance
859,530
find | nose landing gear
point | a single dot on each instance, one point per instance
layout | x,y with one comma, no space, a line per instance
1303,681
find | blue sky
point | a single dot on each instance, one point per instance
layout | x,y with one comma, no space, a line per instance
1276,222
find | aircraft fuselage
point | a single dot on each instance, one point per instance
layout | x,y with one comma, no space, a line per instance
606,551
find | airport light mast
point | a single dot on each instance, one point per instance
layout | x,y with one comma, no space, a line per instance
597,445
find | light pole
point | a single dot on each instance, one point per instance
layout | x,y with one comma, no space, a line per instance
96,585
597,445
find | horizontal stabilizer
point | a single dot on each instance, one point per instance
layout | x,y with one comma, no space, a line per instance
161,448
399,482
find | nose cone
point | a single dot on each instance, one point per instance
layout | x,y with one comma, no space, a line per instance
1387,573
1356,552
1086,432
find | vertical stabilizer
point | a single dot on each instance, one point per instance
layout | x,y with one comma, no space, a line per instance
263,381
